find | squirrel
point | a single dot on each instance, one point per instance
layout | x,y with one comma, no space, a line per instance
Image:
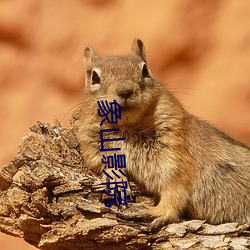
191,167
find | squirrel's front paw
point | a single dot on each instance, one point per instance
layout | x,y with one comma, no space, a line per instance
158,223
141,211
139,207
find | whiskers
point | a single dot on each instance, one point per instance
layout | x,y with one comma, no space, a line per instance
182,92
171,85
72,109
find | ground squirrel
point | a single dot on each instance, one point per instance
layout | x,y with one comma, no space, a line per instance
191,167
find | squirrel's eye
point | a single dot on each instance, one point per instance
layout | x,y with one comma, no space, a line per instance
95,78
145,72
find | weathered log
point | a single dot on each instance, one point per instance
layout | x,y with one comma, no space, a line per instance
49,198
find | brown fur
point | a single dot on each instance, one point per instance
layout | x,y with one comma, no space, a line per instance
189,165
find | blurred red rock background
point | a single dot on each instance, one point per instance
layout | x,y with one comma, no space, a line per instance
200,49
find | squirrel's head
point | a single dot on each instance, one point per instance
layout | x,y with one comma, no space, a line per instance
125,79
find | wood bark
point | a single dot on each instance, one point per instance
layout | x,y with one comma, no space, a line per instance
49,198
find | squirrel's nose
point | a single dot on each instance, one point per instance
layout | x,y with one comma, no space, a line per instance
124,93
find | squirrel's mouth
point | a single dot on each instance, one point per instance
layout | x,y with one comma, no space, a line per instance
127,103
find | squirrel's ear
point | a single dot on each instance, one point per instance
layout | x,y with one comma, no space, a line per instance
138,49
89,57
